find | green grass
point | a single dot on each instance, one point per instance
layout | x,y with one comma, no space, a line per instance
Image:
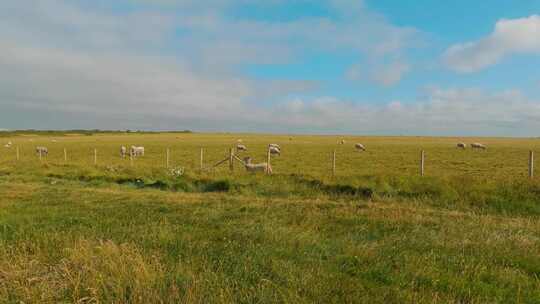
468,232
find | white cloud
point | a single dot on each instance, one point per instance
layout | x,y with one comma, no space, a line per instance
390,74
382,74
62,66
442,112
156,67
510,36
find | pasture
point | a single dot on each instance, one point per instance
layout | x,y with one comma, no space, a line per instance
376,232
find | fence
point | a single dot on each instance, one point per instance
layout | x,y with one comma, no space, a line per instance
231,157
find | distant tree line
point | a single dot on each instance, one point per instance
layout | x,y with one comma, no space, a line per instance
10,133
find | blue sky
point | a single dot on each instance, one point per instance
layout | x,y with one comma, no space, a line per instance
374,67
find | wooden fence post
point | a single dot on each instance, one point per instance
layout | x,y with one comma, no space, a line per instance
18,153
40,155
131,158
201,160
95,156
268,160
422,159
531,164
231,160
65,155
167,161
334,163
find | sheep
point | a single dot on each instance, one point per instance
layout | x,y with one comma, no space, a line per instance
274,150
275,146
123,151
42,151
462,145
359,147
137,151
240,148
261,167
342,142
478,146
8,145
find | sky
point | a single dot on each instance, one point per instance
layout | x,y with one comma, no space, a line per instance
364,67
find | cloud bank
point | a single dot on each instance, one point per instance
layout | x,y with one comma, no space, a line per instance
81,65
510,36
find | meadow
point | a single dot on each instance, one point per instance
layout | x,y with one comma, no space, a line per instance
376,232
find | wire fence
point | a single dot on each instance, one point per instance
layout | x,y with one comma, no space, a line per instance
317,161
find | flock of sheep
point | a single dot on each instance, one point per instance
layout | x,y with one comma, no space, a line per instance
273,149
473,146
133,151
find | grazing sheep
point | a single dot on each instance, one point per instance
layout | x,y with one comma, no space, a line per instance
137,151
241,148
8,145
462,145
274,150
478,146
359,147
342,142
275,146
42,151
261,167
123,151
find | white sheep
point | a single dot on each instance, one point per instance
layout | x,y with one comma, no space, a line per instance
260,167
241,148
478,146
342,142
137,151
123,151
462,145
42,151
274,150
275,146
359,147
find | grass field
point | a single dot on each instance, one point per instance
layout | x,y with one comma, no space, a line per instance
377,232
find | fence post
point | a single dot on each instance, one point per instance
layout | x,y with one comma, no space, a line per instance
131,158
334,163
531,164
231,161
18,153
201,160
167,161
268,160
95,156
422,159
65,155
40,155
